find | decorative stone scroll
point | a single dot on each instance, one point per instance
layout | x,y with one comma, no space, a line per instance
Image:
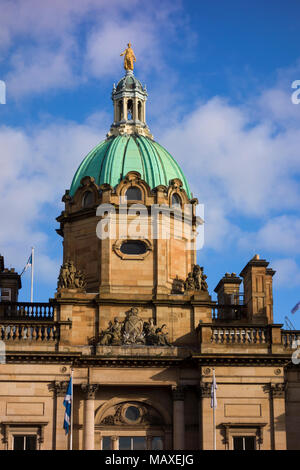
133,330
196,280
70,277
144,415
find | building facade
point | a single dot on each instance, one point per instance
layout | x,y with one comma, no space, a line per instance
133,318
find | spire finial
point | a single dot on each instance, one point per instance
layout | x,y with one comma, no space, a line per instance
129,58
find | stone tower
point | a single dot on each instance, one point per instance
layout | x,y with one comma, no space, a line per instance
132,188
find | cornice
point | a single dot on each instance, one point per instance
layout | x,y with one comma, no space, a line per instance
194,360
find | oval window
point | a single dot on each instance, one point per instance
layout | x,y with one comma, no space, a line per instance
132,413
134,194
133,247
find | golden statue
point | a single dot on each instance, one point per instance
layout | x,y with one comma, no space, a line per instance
129,57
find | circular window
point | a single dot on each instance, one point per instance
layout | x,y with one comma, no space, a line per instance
132,413
133,247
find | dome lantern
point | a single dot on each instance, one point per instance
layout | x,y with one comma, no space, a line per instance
129,99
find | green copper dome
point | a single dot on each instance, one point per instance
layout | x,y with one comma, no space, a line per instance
113,158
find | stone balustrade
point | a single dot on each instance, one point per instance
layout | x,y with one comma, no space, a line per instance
239,335
26,310
290,338
29,331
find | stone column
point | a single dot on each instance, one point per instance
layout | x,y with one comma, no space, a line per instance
135,109
178,418
89,416
204,393
59,441
206,424
114,442
125,116
116,104
277,415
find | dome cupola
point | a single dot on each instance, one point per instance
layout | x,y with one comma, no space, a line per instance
129,98
129,145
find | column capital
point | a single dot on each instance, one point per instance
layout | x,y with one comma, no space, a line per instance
90,390
204,390
59,388
276,390
114,438
178,393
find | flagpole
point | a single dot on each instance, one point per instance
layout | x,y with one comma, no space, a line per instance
71,417
214,412
32,271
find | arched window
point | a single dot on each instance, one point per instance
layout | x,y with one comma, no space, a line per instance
176,200
120,108
129,110
88,199
143,427
140,111
134,194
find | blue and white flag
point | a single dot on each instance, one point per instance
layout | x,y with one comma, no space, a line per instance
297,307
28,264
68,406
214,387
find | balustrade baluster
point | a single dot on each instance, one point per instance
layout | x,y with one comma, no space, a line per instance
34,333
217,336
18,335
23,332
50,335
222,336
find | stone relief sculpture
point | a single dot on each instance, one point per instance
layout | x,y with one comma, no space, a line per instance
133,330
196,280
112,336
70,277
178,286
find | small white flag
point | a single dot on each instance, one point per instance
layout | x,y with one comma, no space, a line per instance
28,264
214,387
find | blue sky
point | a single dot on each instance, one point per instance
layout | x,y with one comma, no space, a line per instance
219,78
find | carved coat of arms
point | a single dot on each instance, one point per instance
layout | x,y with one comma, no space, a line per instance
133,328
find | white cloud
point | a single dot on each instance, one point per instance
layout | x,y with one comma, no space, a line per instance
233,160
287,273
279,234
45,70
38,168
105,45
47,43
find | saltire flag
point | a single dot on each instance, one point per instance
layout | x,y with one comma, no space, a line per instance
213,400
68,406
28,264
297,307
